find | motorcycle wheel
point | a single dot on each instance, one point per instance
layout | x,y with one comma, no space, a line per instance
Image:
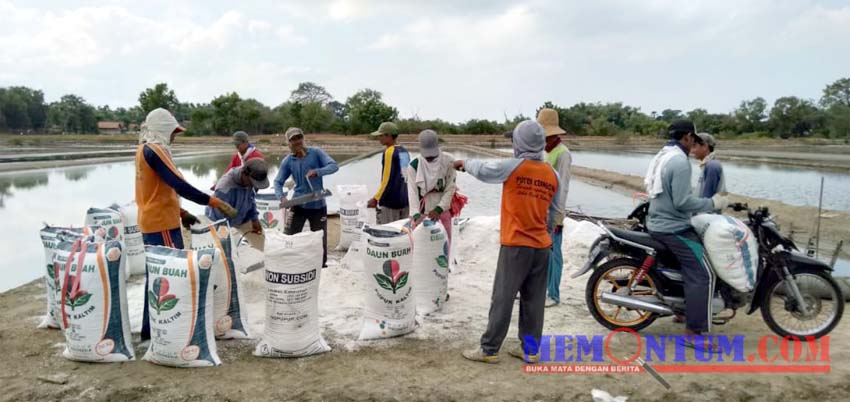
821,293
610,277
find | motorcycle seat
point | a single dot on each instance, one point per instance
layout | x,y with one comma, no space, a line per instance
641,238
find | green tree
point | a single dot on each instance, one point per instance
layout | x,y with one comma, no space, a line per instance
671,115
72,114
482,126
751,114
837,93
367,110
794,117
838,121
158,96
22,109
308,92
225,113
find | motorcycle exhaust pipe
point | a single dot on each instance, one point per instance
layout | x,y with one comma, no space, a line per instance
634,303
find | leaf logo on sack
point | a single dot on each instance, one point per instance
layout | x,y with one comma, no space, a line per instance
268,220
393,277
74,296
113,233
159,299
442,260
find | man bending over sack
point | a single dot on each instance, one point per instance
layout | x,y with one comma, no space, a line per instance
431,183
529,207
158,184
237,187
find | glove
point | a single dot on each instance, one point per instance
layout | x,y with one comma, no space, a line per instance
435,215
720,202
188,219
222,206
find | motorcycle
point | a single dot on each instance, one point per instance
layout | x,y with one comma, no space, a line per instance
635,280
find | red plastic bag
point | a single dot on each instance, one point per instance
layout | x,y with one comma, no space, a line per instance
458,202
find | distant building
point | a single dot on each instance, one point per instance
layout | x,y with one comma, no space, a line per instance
133,128
110,127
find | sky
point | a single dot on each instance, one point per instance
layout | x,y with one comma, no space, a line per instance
446,59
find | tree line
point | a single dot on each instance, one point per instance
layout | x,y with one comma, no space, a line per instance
314,109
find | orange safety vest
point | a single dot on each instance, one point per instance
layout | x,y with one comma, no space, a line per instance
526,196
159,206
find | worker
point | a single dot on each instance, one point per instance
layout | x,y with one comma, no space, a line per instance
307,166
529,209
158,185
558,155
431,183
711,179
671,206
244,151
238,187
391,199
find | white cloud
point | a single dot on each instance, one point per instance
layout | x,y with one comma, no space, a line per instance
462,35
288,35
346,9
442,58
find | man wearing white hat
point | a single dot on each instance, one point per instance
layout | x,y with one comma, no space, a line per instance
557,155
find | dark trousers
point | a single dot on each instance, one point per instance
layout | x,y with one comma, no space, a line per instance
699,280
522,269
318,221
170,238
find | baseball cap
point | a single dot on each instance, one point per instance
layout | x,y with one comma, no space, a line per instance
386,128
240,137
681,126
429,146
292,132
707,139
258,171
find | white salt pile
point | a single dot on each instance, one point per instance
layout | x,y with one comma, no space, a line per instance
464,316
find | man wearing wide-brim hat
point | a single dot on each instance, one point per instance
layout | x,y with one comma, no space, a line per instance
558,155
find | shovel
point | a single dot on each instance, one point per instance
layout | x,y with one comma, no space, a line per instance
313,195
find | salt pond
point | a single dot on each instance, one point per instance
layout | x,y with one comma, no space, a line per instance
61,196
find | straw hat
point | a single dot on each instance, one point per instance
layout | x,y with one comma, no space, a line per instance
548,118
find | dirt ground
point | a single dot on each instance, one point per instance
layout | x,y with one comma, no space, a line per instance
425,365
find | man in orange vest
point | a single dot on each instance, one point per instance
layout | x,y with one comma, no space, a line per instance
529,209
158,184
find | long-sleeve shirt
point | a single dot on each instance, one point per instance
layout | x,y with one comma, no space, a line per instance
711,181
523,223
440,197
314,159
392,192
671,211
238,159
561,160
230,190
158,183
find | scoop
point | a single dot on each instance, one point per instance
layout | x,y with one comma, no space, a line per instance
313,195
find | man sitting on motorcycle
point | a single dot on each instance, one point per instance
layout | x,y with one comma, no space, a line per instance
671,207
